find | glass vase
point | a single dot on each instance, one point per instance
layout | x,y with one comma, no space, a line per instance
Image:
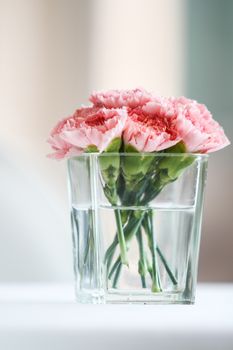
136,224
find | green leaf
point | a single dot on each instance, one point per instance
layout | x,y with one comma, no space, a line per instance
130,149
135,165
91,149
178,148
110,166
134,168
173,166
114,146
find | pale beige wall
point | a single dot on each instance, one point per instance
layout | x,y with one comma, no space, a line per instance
136,42
52,54
43,66
43,70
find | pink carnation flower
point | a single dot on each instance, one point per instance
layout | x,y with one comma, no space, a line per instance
88,126
197,128
62,148
152,127
119,98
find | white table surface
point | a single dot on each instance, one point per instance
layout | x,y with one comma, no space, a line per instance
45,317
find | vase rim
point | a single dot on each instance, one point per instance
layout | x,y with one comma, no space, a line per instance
146,154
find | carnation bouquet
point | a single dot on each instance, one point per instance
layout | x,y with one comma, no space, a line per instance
144,143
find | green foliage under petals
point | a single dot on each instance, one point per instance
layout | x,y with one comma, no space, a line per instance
173,166
110,167
91,149
135,167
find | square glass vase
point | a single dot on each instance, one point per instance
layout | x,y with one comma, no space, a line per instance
136,224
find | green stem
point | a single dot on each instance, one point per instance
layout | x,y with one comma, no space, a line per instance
90,239
117,274
167,268
156,284
129,231
149,267
142,264
110,254
115,266
162,257
111,248
129,234
121,238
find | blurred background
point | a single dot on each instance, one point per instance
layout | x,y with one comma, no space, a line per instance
53,53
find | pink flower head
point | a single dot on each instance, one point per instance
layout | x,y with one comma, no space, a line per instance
197,128
61,147
119,98
89,126
152,127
